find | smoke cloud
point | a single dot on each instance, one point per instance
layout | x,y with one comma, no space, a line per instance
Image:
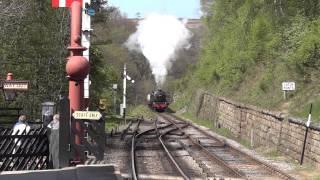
158,37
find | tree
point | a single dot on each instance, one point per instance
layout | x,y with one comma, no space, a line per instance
111,31
34,39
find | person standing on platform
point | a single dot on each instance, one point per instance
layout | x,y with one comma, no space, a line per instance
20,127
54,141
54,124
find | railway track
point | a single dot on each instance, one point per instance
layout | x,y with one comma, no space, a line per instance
234,162
133,157
173,161
159,133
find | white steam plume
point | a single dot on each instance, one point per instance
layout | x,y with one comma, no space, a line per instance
158,37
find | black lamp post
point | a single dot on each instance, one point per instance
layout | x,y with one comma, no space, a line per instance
48,109
10,87
115,87
9,95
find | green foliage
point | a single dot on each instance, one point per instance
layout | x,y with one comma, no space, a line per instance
308,52
245,142
303,110
202,122
102,78
111,30
34,44
141,111
182,100
33,47
112,123
251,47
209,124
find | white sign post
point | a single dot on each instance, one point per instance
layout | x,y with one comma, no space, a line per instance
87,115
288,86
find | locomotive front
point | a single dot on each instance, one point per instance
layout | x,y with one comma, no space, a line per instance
158,100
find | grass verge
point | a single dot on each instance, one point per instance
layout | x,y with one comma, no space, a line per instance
209,124
141,111
112,122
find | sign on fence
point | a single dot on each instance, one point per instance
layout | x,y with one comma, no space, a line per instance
88,115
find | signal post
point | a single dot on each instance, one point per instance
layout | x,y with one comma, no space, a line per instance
77,69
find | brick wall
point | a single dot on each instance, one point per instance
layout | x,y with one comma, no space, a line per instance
263,127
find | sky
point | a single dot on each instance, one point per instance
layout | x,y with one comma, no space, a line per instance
178,8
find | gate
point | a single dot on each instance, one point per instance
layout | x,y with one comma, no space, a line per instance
24,151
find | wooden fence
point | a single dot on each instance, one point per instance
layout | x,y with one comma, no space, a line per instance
24,150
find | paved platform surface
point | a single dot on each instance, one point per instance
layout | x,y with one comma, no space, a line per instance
82,172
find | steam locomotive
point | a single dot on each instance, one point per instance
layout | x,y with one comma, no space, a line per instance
158,101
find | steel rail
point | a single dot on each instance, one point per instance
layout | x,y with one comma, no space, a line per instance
125,131
153,129
269,167
137,135
176,165
134,137
133,162
202,131
211,155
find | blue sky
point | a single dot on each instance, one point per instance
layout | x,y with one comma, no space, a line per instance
178,8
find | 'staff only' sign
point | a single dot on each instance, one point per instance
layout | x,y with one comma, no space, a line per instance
288,86
87,115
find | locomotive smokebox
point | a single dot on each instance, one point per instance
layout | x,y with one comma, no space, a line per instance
158,100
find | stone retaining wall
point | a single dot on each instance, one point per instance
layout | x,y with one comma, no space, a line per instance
261,127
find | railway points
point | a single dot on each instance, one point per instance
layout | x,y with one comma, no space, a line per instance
170,148
77,128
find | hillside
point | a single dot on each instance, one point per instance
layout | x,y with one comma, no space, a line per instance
251,47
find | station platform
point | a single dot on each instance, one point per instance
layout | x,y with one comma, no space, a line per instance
80,172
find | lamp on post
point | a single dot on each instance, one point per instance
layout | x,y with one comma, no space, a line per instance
9,94
114,88
48,109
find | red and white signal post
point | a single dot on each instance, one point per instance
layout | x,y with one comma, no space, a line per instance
63,3
77,68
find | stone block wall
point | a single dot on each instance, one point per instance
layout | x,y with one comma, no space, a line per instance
262,127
